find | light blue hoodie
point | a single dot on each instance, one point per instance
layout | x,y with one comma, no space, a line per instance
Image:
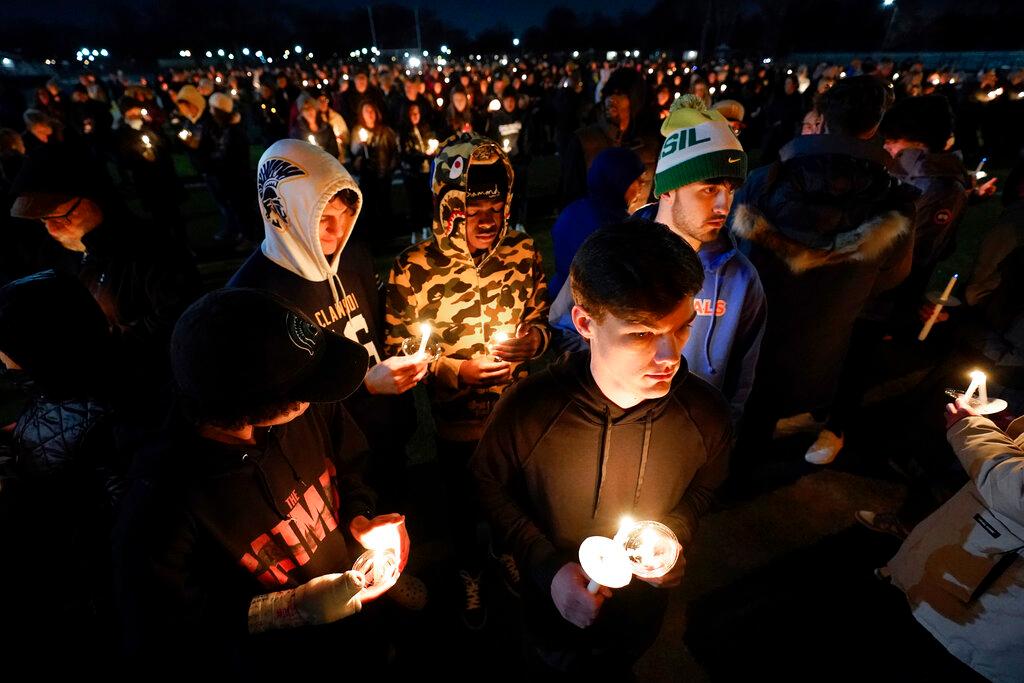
725,337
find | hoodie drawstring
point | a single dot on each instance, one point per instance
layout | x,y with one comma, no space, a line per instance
265,483
606,442
714,319
648,424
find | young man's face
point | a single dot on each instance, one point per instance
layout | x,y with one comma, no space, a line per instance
483,222
335,225
635,360
699,209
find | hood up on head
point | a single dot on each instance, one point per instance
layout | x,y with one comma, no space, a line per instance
295,182
454,163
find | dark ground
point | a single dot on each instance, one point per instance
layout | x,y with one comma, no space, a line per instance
779,580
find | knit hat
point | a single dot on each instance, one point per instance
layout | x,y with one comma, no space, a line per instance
193,97
699,144
219,100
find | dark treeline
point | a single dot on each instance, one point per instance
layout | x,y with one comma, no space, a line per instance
147,30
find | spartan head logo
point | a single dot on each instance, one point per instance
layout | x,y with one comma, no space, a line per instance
273,173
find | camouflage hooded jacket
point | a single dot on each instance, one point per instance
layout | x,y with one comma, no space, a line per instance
466,301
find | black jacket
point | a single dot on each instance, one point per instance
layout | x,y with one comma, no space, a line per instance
827,228
207,526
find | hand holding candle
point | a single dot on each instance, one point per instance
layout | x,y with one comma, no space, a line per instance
387,543
432,145
522,347
980,405
605,562
653,551
364,135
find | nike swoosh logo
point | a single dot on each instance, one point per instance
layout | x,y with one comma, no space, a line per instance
735,161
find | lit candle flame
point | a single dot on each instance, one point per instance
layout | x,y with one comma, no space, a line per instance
432,145
495,105
440,101
183,134
312,139
145,112
146,142
364,135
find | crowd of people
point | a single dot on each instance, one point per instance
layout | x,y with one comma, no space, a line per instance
737,244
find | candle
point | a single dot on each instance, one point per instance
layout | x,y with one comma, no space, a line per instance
432,145
605,562
979,383
494,105
425,333
440,101
364,135
312,139
938,308
145,112
146,142
183,134
506,145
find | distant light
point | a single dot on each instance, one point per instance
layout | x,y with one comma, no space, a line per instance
842,74
936,81
650,71
259,53
789,72
896,76
231,55
220,53
309,55
305,83
515,41
724,86
209,54
245,51
8,62
767,60
326,81
95,53
712,90
415,62
494,105
104,52
888,3
444,48
218,79
636,53
270,60
440,101
524,77
575,54
298,48
677,96
611,54
426,54
690,55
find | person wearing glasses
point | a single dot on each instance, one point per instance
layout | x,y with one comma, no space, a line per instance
141,281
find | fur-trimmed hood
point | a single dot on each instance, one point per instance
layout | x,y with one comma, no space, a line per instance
831,199
867,242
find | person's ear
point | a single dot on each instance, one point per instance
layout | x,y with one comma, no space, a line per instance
584,322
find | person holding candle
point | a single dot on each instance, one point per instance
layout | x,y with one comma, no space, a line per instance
961,568
237,526
416,136
310,205
313,126
619,428
471,281
375,157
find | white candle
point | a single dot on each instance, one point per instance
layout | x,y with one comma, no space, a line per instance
363,135
424,338
949,288
977,381
146,142
506,145
312,139
183,134
432,145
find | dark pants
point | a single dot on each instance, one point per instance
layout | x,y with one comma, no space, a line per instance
462,509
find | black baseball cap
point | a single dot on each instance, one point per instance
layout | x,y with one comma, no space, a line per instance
253,347
53,175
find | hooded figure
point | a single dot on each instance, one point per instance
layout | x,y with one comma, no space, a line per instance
468,298
297,183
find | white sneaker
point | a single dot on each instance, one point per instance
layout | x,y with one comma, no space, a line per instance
824,449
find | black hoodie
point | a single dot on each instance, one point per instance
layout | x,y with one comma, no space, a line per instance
559,462
207,526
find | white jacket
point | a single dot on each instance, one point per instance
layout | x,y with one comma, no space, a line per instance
962,568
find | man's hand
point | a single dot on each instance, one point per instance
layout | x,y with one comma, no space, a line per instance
383,532
958,411
575,603
395,375
927,310
483,371
986,189
674,576
522,347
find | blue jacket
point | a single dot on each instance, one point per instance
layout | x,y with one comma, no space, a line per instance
611,173
725,337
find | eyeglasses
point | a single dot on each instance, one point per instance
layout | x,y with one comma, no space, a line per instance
64,216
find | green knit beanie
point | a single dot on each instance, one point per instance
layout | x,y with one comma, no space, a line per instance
699,144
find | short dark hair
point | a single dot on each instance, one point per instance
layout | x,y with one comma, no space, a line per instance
232,414
853,106
636,270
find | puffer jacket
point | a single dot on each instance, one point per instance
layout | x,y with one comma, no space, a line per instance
962,568
828,228
467,301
